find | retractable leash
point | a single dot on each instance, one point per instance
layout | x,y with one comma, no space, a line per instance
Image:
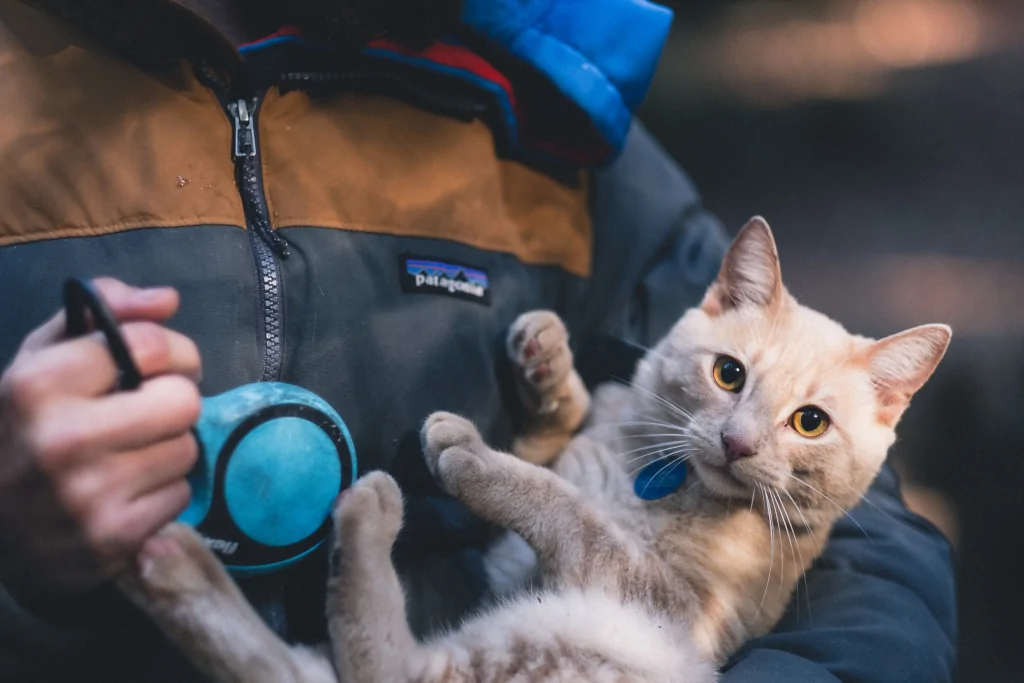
273,457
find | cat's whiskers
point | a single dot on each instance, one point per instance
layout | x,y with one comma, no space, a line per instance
782,528
657,474
623,437
803,574
679,410
652,448
684,452
863,498
807,525
794,544
777,522
652,413
771,553
837,506
650,351
646,435
652,423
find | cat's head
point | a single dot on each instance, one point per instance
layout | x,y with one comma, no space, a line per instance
780,395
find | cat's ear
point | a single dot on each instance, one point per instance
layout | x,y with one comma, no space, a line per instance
902,363
750,271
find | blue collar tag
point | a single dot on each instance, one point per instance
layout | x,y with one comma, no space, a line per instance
659,479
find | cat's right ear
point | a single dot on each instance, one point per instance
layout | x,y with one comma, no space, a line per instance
750,272
901,364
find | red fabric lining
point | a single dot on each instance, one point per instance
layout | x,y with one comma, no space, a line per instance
456,57
459,57
279,33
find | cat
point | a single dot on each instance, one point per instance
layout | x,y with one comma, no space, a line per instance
781,418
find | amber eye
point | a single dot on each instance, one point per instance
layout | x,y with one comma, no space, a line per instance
729,373
810,421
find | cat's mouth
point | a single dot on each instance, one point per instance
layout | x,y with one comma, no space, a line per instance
722,478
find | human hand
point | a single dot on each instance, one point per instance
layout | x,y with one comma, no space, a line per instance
88,473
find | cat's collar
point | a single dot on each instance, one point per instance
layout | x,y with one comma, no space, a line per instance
660,479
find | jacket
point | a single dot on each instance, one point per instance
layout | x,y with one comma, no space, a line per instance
290,194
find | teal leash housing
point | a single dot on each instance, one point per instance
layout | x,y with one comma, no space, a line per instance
273,458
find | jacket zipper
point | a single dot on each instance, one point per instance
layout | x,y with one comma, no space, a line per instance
267,245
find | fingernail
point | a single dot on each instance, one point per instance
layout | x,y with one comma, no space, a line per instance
152,293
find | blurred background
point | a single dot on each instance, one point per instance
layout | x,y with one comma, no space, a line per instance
884,142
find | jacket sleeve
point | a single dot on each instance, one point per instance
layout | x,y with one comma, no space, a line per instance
881,598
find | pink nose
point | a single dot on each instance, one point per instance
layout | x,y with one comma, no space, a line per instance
736,447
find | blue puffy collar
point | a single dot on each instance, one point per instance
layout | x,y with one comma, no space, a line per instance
600,54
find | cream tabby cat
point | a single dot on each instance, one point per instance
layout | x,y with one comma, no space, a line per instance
782,416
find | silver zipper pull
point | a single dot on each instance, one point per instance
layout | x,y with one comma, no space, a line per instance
245,140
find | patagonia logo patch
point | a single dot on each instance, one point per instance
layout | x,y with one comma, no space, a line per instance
421,275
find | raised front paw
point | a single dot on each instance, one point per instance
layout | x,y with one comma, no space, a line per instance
173,565
538,347
452,445
369,512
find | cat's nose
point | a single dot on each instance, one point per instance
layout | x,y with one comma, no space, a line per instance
736,447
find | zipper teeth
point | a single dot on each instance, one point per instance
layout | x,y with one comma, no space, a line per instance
268,271
324,76
270,297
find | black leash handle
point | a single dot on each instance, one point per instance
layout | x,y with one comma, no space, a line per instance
80,300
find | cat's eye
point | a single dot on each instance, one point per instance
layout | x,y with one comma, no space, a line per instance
810,421
729,373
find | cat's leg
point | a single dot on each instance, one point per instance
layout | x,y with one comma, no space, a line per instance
552,393
185,589
576,544
366,607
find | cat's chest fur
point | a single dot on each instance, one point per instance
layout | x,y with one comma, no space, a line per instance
725,570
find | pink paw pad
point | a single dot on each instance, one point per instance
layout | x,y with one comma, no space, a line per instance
532,347
541,372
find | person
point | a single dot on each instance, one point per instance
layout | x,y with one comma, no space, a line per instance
255,181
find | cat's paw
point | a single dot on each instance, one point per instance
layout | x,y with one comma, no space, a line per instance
173,564
452,445
538,347
371,510
443,431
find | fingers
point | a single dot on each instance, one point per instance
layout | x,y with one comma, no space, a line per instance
149,513
118,532
85,367
75,431
121,499
90,474
125,302
148,470
115,526
132,475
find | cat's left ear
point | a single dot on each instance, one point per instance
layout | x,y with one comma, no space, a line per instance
902,363
749,274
